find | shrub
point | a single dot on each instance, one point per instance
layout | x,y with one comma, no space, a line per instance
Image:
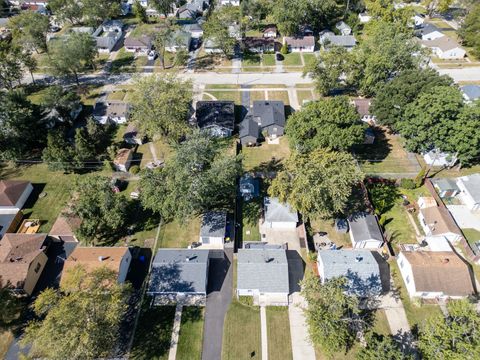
420,177
408,184
246,300
135,169
284,49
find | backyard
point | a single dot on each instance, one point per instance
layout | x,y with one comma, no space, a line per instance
174,234
266,156
278,332
241,333
251,212
191,334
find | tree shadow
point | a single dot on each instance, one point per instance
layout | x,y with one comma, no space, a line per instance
121,63
268,169
377,151
191,314
383,195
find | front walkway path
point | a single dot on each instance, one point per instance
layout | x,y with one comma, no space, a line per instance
292,96
175,333
396,316
302,348
263,325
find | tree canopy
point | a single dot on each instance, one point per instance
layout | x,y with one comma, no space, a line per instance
91,12
200,177
331,123
101,211
216,29
81,320
382,347
161,106
29,30
318,183
455,336
470,30
391,101
11,71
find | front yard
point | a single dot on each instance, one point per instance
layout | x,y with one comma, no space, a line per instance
241,333
191,334
278,333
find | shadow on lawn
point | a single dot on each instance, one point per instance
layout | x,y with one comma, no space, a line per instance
377,151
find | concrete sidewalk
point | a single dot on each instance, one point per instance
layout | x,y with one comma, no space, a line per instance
302,348
175,333
396,316
263,326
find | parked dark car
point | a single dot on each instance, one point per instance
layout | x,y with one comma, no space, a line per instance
195,44
279,57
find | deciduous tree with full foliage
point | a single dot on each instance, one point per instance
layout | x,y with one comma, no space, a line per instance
29,30
140,12
101,211
81,320
381,347
161,106
465,139
90,12
62,101
11,71
455,336
391,101
332,315
318,183
216,29
330,123
470,30
200,177
58,154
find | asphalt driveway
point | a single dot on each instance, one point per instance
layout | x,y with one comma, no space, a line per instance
220,281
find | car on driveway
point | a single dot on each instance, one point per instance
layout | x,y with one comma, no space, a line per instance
151,55
279,57
195,44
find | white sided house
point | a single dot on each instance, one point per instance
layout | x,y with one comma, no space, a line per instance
365,232
263,275
430,32
435,275
300,44
278,215
13,196
445,48
436,221
213,230
469,187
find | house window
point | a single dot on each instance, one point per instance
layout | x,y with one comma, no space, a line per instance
407,279
401,264
37,268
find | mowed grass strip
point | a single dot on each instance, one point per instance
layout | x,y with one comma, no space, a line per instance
278,332
191,334
176,235
241,333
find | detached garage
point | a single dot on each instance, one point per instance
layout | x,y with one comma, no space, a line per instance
263,274
278,215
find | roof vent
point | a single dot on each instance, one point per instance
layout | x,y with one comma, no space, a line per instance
358,258
267,259
446,260
102,258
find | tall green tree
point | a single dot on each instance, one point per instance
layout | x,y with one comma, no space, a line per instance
161,106
67,10
59,153
470,29
140,12
81,320
61,100
430,120
200,177
216,29
381,347
465,139
11,71
29,30
385,10
11,305
434,6
455,336
393,97
161,38
102,212
84,148
318,183
332,315
331,123
165,7
73,55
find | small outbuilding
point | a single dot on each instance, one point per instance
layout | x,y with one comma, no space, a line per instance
279,215
123,160
365,233
213,229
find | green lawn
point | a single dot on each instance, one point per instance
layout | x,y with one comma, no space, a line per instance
55,185
117,95
223,95
278,332
292,59
191,334
328,226
416,313
221,86
269,59
309,58
279,95
261,157
124,62
304,95
381,326
37,97
179,235
153,333
472,235
251,212
251,59
241,333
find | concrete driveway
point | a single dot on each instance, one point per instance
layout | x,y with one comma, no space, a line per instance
281,237
464,217
220,282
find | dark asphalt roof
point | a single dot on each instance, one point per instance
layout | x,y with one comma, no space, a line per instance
270,112
214,224
220,113
249,127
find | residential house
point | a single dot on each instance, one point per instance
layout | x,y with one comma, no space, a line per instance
363,109
139,45
263,275
436,221
300,44
436,157
107,35
195,30
445,187
343,28
249,187
270,116
22,260
132,136
418,20
445,48
278,215
179,276
426,202
364,17
430,32
470,92
469,187
270,31
123,160
259,44
365,233
117,259
216,117
249,131
190,10
363,269
111,111
435,275
13,196
230,2
329,39
213,230
180,40
211,47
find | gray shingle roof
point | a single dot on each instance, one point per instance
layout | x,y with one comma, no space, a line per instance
172,272
338,40
472,184
263,269
428,29
278,212
472,92
249,127
214,224
364,227
445,184
219,113
270,112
